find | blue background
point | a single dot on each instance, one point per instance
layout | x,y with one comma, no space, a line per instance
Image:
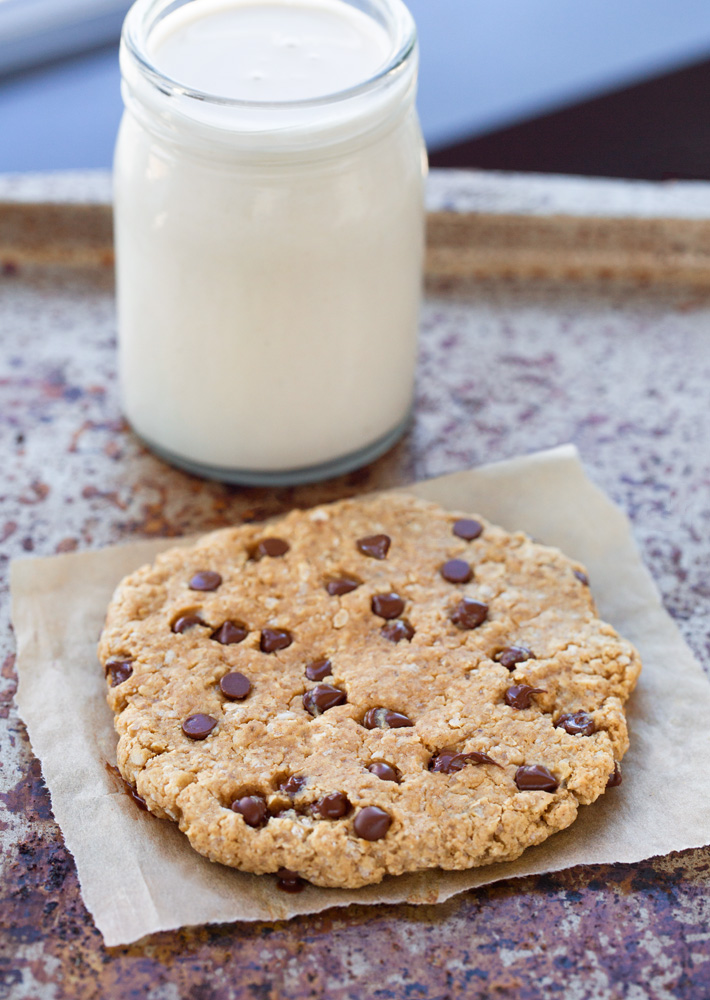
485,64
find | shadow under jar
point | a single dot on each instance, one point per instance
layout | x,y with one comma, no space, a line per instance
269,218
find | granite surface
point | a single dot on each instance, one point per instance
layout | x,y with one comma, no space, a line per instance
487,191
505,368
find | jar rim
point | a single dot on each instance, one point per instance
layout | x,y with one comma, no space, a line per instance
145,14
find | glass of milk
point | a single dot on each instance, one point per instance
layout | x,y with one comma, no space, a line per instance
269,223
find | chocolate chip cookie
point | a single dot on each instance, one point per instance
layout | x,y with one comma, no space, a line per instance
368,688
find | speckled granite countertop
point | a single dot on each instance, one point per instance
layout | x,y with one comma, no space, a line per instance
506,367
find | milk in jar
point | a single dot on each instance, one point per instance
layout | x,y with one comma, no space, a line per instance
269,233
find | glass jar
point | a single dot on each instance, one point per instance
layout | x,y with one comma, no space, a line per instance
269,259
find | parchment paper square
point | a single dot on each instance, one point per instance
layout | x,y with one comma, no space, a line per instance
139,875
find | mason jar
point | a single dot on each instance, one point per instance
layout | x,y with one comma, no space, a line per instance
268,251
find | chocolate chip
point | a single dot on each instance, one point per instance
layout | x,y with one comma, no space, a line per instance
372,823
387,605
396,631
375,546
615,778
138,799
272,547
468,529
512,655
288,881
520,695
273,639
252,808
343,585
235,686
449,760
385,718
294,784
120,671
385,772
535,778
319,669
456,571
185,622
576,724
322,697
206,579
128,788
332,806
582,577
198,727
469,614
230,633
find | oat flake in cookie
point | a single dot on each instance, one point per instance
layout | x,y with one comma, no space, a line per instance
263,710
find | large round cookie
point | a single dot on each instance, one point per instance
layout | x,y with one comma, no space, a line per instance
368,688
